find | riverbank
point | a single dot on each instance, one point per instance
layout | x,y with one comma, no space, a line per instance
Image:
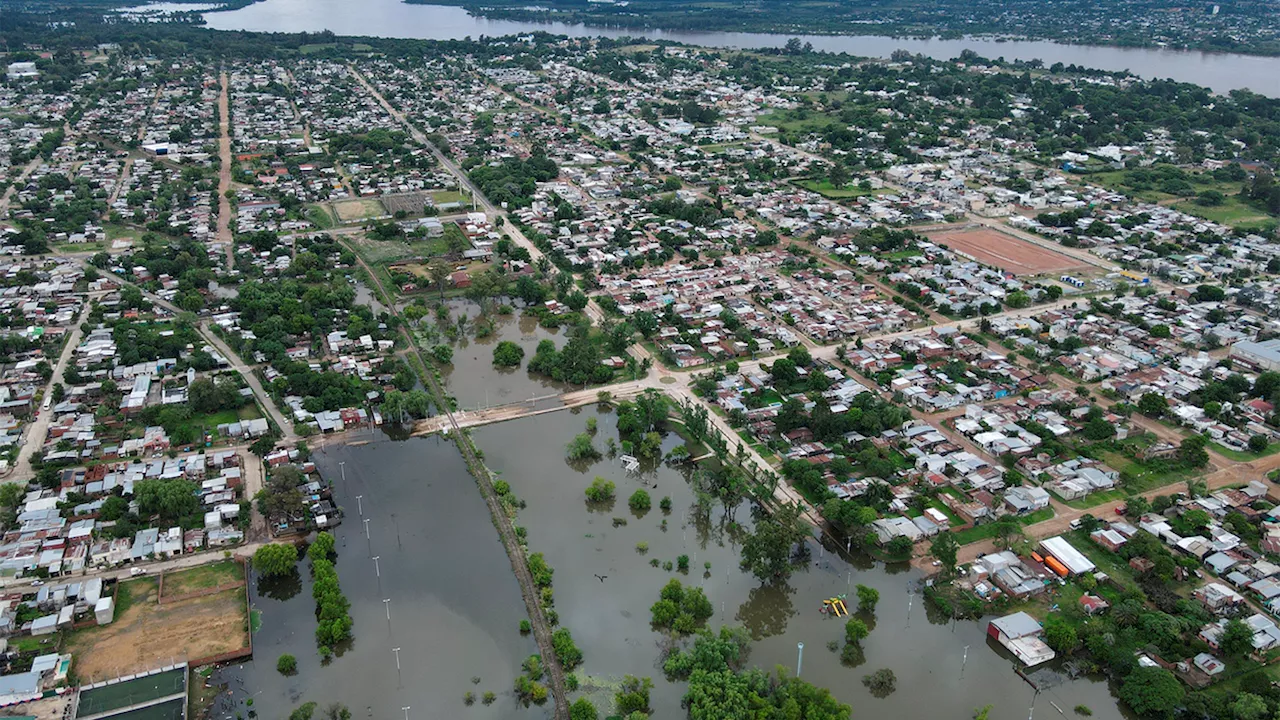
839,19
1220,72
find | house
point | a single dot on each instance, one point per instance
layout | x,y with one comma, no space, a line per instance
1092,604
1109,539
1217,597
1020,634
1025,499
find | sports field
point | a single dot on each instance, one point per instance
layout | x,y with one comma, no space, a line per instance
992,247
132,692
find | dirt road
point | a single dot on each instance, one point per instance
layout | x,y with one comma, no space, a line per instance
34,439
223,235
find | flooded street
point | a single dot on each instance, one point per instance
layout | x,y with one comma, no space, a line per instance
473,379
455,605
610,618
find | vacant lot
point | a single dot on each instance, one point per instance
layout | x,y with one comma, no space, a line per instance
410,203
202,578
146,635
1006,252
356,210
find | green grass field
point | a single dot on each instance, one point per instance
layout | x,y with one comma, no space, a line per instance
1238,456
1145,479
827,190
1231,212
800,121
320,216
202,578
987,531
448,196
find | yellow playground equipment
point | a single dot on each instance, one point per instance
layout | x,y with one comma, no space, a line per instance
835,606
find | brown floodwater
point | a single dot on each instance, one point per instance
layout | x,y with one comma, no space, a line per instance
455,606
610,618
473,379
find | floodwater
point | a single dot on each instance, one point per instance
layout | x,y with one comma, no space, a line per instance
1220,72
609,618
474,380
455,606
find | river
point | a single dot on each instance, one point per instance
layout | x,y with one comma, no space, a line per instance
1220,72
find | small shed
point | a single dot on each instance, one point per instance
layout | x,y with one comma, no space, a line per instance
104,611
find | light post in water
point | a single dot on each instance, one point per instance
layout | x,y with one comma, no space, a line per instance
799,657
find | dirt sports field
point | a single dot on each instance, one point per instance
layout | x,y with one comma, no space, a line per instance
146,634
1006,252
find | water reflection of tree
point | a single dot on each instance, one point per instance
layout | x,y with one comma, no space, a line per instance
397,432
280,587
767,610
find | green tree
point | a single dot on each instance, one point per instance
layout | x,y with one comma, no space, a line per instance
1153,405
582,709
640,501
1152,691
1191,451
1258,443
287,664
943,549
767,551
854,631
275,559
1236,640
1248,706
1060,635
1017,300
600,490
868,598
581,447
507,354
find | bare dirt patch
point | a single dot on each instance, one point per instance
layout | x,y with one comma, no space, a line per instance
146,635
1006,252
354,210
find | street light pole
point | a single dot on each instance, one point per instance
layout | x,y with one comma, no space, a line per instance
387,604
799,657
342,465
399,677
360,505
406,712
376,569
366,528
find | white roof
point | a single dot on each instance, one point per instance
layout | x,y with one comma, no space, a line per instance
1062,550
